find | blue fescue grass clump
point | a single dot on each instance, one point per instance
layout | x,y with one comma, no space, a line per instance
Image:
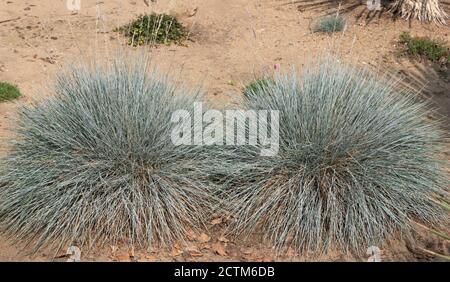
358,164
330,24
95,163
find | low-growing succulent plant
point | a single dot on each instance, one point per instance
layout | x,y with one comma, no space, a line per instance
95,163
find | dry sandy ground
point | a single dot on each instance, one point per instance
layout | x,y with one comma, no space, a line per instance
230,43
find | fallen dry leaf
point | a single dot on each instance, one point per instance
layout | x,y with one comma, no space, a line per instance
205,246
204,238
196,255
216,221
219,249
247,251
223,239
191,248
264,259
193,251
192,12
131,252
122,258
290,252
148,258
113,249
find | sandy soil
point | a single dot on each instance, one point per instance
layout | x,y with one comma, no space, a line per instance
230,43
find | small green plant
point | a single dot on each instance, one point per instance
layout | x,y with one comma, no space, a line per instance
153,29
8,92
255,86
425,47
330,24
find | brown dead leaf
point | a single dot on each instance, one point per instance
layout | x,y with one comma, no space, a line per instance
191,248
131,252
195,254
219,249
113,249
245,258
247,251
290,252
192,12
193,251
223,239
175,252
216,221
190,234
205,247
204,238
148,258
264,259
122,258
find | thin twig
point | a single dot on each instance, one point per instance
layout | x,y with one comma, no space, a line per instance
9,20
